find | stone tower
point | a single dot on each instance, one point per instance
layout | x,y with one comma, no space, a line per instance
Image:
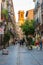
20,17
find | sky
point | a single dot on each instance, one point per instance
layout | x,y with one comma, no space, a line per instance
22,5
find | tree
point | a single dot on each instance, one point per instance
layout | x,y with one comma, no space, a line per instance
28,27
6,38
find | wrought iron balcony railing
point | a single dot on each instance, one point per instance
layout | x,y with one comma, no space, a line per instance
36,7
37,22
42,8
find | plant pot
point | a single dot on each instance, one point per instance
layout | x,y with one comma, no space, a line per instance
4,52
30,47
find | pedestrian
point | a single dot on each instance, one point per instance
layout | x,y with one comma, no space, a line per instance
40,44
20,41
37,44
42,39
23,40
33,41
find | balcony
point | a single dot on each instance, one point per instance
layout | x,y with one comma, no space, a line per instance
9,3
42,8
37,22
9,18
41,28
36,7
38,4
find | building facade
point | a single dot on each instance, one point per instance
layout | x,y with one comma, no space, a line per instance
20,17
38,15
4,4
10,9
19,32
7,5
11,15
0,9
30,14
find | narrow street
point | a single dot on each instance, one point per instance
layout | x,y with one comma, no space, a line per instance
21,21
20,55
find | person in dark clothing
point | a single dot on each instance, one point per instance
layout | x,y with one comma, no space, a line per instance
40,44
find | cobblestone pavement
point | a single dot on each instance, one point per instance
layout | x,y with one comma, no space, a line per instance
20,55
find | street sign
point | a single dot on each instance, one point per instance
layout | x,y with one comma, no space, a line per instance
1,31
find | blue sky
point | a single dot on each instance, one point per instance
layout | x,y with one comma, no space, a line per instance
22,5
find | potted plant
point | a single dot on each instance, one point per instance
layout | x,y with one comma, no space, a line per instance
29,41
5,41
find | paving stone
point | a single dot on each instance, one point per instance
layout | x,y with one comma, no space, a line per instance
20,55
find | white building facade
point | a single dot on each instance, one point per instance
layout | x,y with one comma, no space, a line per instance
38,14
